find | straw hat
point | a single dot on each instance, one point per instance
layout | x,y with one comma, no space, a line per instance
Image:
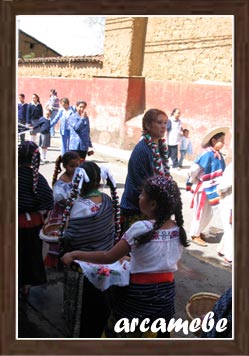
211,134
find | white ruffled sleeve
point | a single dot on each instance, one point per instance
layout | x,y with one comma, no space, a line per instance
136,229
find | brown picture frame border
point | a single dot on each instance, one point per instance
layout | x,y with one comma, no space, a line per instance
11,8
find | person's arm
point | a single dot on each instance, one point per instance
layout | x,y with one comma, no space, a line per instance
88,128
28,115
168,125
77,125
41,110
56,118
118,251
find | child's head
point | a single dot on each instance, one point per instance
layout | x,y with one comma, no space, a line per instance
64,103
159,200
185,132
94,175
160,197
80,106
47,113
215,138
217,141
29,156
70,161
21,98
53,92
26,151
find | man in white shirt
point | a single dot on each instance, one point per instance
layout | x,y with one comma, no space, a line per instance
174,128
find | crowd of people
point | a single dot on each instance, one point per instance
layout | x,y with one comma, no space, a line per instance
74,123
146,230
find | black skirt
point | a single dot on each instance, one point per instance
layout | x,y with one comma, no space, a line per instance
31,268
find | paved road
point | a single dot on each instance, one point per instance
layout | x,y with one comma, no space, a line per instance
200,269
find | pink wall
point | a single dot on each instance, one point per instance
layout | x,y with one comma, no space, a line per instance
112,101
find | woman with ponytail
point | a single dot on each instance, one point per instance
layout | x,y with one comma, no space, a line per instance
35,199
155,246
149,157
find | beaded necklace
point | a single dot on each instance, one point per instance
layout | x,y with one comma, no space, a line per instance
159,160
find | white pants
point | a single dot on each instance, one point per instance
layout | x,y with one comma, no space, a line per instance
226,244
198,226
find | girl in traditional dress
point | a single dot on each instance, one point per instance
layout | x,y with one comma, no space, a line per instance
93,225
204,177
61,191
155,246
149,157
35,198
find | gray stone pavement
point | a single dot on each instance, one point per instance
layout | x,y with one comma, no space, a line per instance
201,269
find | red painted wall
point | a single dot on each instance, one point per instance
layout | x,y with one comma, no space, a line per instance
113,101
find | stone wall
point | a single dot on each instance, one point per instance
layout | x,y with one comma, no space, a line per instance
184,49
162,62
189,49
60,68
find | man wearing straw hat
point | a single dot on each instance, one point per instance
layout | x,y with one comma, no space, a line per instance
204,177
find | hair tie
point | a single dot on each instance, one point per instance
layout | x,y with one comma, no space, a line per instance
105,173
82,175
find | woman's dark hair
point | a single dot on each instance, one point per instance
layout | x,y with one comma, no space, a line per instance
164,190
64,161
94,174
216,137
29,155
37,96
64,101
174,110
53,91
150,116
81,102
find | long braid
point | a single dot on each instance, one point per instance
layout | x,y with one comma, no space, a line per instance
116,207
148,236
69,204
35,163
57,169
180,222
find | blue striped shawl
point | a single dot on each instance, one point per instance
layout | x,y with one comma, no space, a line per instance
92,233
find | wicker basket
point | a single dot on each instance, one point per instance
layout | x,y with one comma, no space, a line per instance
199,305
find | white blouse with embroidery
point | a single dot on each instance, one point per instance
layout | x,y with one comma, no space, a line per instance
161,254
84,207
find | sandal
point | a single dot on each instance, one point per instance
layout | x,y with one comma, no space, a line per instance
225,262
198,241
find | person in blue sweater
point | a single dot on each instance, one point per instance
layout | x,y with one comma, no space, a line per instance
34,112
80,140
43,126
64,115
22,112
